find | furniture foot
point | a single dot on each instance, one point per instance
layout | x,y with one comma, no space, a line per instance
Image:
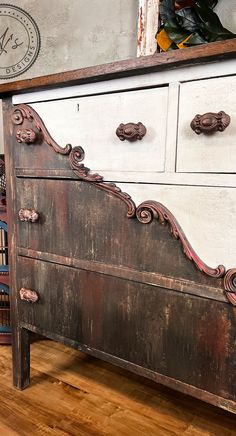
21,358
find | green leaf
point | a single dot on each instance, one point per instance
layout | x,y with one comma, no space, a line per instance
206,14
195,39
167,10
210,25
188,19
212,3
199,21
173,47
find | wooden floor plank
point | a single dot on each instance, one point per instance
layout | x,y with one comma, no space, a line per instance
116,385
74,394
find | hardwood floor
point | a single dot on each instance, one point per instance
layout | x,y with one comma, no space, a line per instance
74,394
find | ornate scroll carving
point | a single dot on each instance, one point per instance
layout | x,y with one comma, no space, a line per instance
131,131
230,285
24,112
149,210
210,122
28,136
115,190
28,215
28,295
75,157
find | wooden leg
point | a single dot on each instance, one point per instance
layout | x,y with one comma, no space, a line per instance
21,358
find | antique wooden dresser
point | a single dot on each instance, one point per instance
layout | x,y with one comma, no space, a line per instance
133,260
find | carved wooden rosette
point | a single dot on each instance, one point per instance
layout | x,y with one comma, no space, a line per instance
28,215
145,212
28,295
28,136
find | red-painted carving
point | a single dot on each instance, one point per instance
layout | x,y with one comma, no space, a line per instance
28,136
28,295
24,112
230,285
75,158
28,215
149,210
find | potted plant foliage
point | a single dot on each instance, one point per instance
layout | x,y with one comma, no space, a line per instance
186,23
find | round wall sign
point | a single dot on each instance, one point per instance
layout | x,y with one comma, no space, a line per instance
19,41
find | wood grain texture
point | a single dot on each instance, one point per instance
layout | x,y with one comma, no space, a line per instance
73,394
146,329
158,62
104,232
20,337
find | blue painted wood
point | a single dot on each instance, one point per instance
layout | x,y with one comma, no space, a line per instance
3,226
4,287
5,328
3,250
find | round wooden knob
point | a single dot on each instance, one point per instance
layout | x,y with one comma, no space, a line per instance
28,215
28,295
131,131
210,122
27,136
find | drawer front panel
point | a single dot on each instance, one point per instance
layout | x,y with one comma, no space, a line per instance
91,122
79,221
164,331
210,153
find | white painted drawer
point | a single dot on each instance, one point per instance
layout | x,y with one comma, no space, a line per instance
206,215
209,153
91,122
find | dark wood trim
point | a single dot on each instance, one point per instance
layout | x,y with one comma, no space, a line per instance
211,52
146,277
20,337
158,378
52,173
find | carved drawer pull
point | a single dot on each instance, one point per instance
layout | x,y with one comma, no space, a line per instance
27,136
28,295
210,122
131,131
29,215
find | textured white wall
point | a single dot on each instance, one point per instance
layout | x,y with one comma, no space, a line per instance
80,33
